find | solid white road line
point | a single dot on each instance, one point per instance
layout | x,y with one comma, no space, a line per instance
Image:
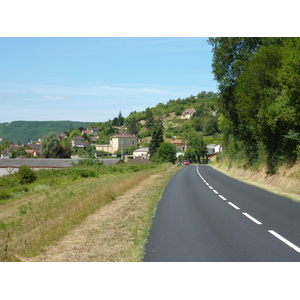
285,240
222,197
252,219
233,205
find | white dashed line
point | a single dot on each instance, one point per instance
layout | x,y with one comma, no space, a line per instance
233,205
285,240
252,219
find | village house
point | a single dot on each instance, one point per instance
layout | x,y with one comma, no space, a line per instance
143,152
118,141
187,114
179,144
93,130
4,154
31,152
213,148
78,141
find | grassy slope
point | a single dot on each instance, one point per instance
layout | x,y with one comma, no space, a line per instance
285,182
36,220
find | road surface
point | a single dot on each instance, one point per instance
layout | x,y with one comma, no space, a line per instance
206,216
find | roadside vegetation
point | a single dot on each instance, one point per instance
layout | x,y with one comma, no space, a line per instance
36,213
259,83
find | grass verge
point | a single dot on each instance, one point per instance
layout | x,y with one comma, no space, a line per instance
34,222
285,182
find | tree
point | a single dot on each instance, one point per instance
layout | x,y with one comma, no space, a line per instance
118,121
166,153
60,152
132,125
196,142
49,142
157,138
75,132
190,155
149,119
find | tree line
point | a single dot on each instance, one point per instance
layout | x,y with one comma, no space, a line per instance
259,83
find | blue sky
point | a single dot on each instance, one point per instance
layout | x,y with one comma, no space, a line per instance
93,78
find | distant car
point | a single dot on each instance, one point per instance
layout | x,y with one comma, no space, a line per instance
186,162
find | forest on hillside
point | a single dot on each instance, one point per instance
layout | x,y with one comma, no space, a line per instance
259,103
23,132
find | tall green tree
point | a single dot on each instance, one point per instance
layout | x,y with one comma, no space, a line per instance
75,132
149,119
157,138
196,142
165,153
49,142
259,84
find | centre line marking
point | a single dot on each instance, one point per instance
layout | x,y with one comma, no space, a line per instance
222,197
210,187
233,205
285,240
252,219
215,192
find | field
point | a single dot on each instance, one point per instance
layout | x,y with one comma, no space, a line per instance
61,204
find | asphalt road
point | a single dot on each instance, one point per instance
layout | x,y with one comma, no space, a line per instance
206,216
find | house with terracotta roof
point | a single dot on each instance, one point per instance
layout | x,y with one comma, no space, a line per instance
187,114
31,152
179,144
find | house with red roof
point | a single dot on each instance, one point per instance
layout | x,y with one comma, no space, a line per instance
187,114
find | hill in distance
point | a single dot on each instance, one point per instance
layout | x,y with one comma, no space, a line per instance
23,132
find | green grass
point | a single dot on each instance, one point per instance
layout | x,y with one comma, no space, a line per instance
40,213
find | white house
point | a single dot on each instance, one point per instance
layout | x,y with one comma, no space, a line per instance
187,114
213,148
144,152
5,154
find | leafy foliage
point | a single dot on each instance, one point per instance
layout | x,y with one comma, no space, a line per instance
49,144
26,175
259,80
165,153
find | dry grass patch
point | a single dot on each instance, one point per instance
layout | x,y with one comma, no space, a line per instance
285,182
118,231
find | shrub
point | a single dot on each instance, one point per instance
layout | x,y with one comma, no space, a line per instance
26,175
4,195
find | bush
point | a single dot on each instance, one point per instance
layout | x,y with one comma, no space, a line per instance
26,175
4,195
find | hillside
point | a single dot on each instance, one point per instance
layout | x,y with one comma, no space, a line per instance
21,132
